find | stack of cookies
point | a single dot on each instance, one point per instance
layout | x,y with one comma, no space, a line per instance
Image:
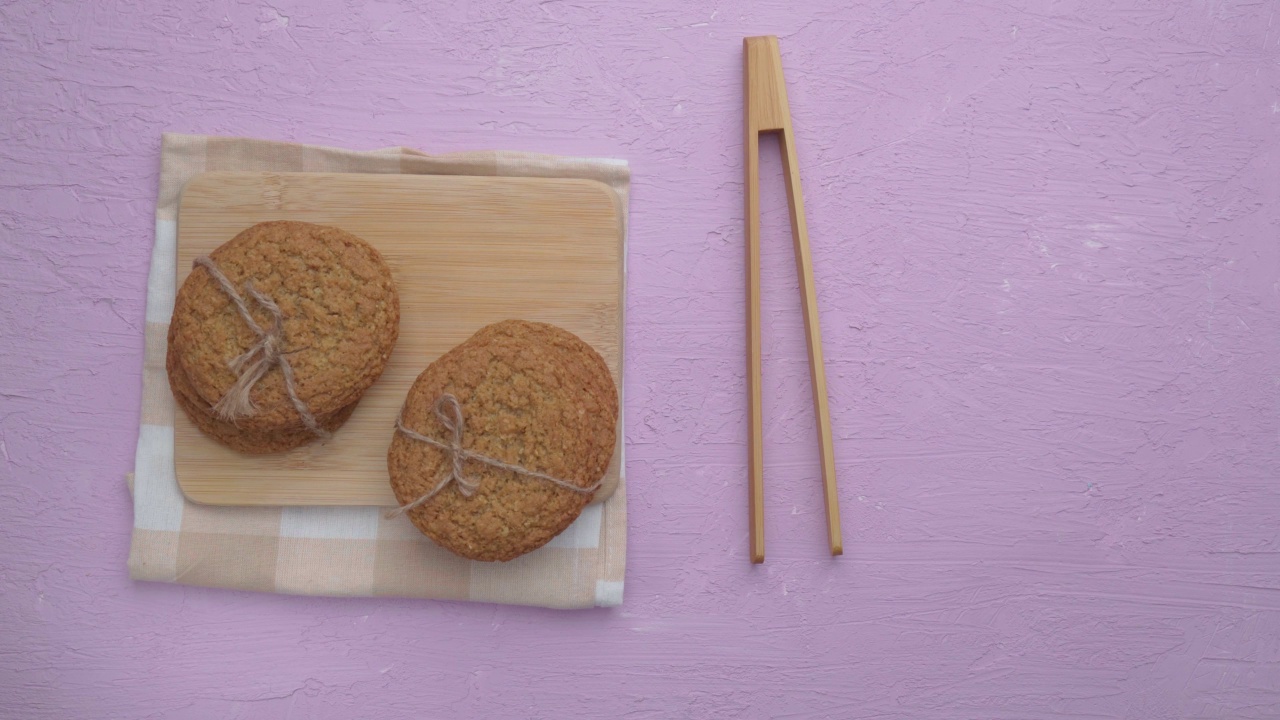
503,440
278,333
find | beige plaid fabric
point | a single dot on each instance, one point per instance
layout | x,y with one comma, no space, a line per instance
339,550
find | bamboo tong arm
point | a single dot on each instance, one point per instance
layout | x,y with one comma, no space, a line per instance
767,110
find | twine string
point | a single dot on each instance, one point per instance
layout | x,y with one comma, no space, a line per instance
449,412
253,364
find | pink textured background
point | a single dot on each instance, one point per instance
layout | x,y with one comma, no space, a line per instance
1046,254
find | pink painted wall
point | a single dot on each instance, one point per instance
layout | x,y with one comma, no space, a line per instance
1046,254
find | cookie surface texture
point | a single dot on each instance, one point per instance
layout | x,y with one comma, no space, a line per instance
341,319
532,395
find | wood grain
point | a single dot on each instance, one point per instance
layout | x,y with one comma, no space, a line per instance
465,252
767,110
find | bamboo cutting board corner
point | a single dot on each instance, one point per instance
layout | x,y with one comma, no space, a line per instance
464,251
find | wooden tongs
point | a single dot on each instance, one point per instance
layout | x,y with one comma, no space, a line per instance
767,111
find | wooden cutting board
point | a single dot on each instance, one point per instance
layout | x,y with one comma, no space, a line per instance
465,252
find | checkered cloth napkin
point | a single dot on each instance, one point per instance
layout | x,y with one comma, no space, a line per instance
339,550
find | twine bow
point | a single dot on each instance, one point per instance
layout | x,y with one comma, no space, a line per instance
449,412
252,365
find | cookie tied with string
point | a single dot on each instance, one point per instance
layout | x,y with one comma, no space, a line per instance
278,333
503,440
